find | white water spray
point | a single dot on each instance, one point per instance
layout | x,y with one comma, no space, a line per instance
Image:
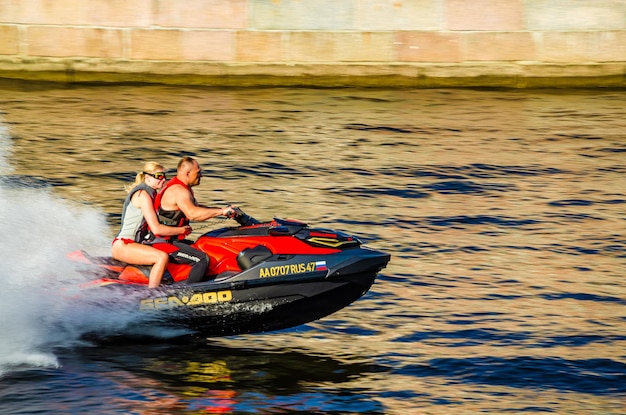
39,229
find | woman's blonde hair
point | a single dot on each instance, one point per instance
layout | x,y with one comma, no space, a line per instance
150,167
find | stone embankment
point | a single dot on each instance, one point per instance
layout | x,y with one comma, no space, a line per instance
417,43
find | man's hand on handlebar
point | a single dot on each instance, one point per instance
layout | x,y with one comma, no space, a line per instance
231,211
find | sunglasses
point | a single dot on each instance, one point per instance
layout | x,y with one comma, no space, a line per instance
158,175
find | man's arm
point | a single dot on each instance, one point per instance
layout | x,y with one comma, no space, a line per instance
186,203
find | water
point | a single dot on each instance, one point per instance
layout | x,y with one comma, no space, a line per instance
503,212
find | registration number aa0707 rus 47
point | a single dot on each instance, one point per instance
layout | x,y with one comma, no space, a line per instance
292,269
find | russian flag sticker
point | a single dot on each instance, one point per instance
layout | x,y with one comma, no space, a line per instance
320,266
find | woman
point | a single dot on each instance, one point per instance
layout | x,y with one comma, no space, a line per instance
138,216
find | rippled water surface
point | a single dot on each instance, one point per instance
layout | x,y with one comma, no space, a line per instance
504,213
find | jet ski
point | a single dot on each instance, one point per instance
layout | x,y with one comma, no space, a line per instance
262,276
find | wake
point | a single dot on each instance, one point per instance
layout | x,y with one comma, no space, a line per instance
37,313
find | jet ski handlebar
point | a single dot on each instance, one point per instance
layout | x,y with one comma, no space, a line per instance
241,217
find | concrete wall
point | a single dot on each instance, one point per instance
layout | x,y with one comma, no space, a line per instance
317,42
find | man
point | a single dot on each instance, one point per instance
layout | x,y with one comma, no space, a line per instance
176,204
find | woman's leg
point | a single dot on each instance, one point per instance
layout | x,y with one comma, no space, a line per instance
158,269
138,254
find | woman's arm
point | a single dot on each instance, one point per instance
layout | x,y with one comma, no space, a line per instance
145,204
